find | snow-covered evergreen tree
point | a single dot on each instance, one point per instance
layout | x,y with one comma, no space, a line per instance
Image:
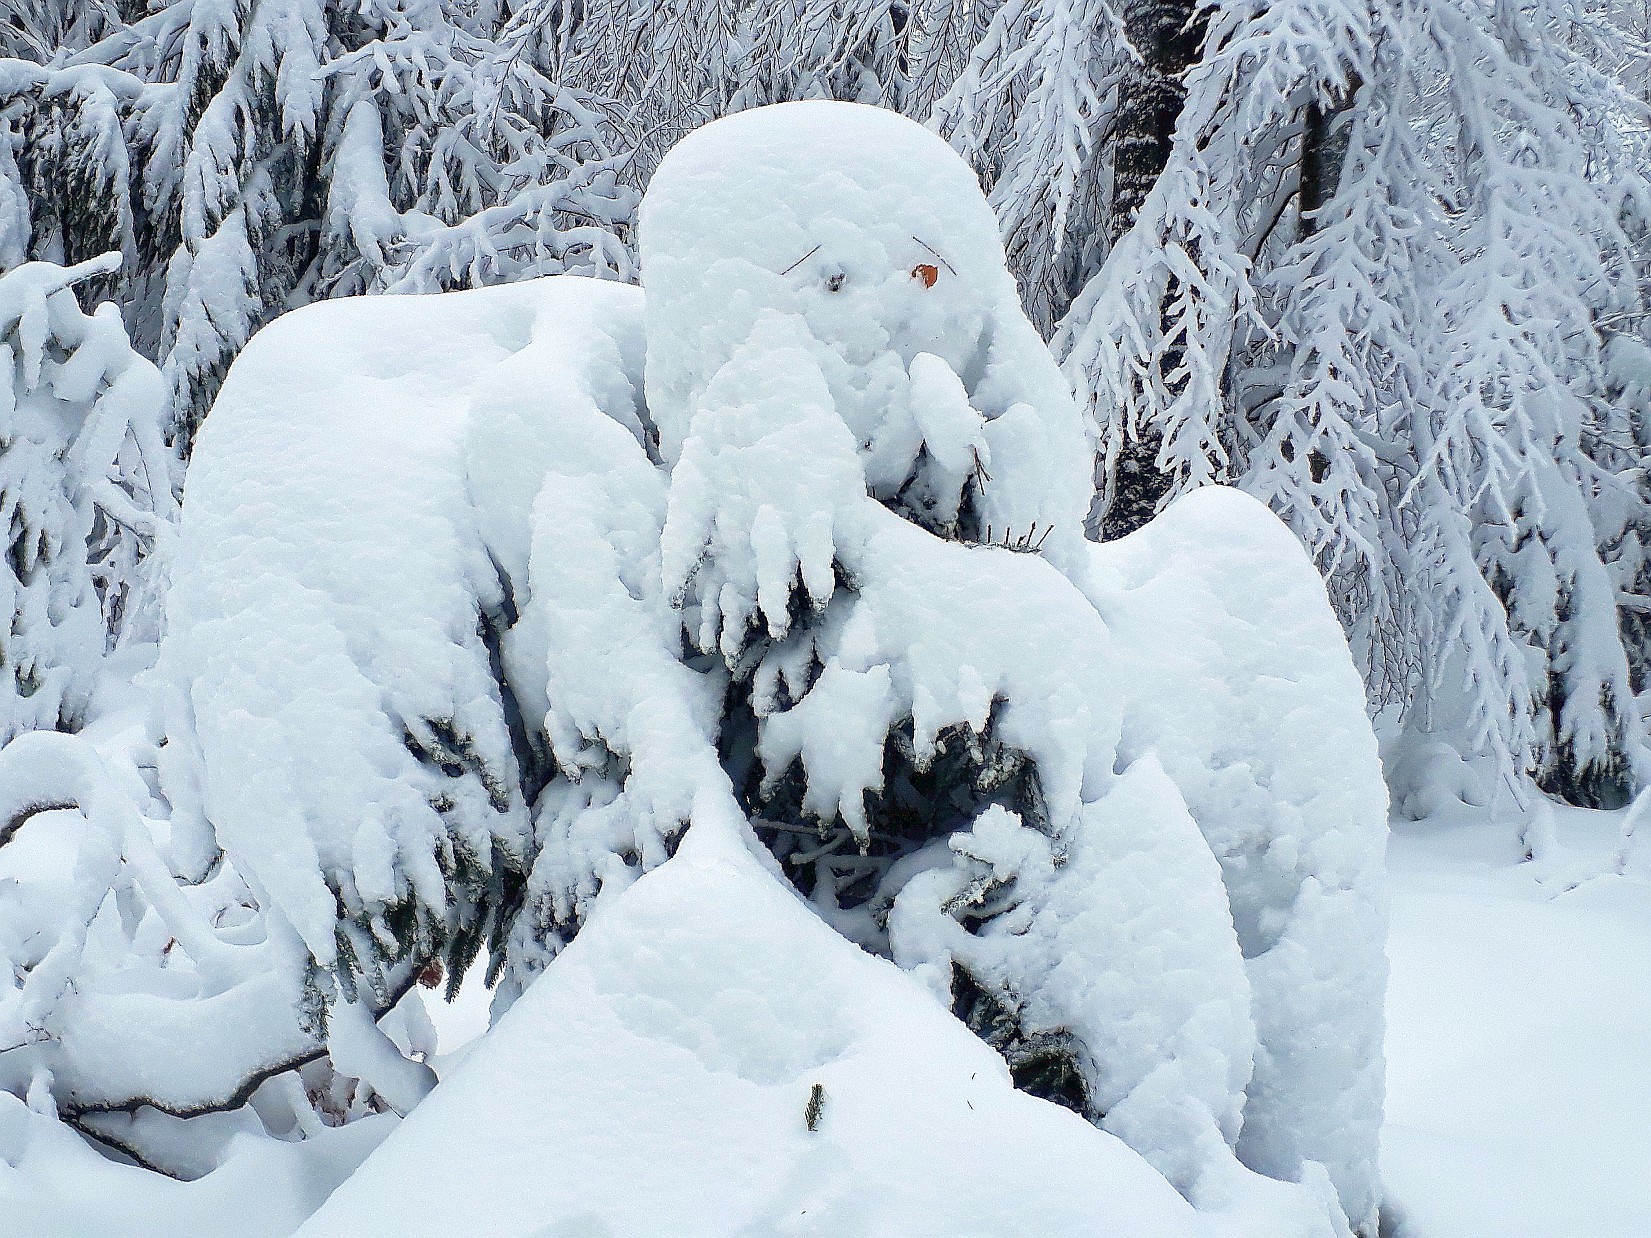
786,551
250,157
86,494
1327,299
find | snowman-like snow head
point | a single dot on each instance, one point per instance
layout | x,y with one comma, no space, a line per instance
841,260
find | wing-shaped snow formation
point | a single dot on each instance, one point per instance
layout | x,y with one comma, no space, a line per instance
336,723
1235,675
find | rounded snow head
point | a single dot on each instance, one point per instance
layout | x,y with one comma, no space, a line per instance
861,223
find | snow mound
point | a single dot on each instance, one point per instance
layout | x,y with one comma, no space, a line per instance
1236,676
655,1080
1131,950
52,1185
488,603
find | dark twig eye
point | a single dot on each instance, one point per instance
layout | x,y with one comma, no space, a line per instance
937,254
806,257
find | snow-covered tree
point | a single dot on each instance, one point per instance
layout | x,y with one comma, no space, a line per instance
785,551
790,571
1621,444
249,157
86,494
1327,297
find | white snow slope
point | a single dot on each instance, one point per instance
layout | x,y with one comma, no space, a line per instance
1519,1077
654,1082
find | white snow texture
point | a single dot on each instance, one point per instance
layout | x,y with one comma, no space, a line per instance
825,465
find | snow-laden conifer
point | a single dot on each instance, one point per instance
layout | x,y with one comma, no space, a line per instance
88,490
250,157
805,571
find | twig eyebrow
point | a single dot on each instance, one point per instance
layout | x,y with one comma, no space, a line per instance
936,253
816,250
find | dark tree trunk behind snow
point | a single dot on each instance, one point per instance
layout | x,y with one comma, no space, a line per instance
1167,34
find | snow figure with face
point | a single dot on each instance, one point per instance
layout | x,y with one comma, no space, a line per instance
857,247
775,568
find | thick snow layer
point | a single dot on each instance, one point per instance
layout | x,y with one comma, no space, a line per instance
1128,946
52,1185
864,409
958,630
111,966
656,1080
439,552
1519,1032
1236,677
875,256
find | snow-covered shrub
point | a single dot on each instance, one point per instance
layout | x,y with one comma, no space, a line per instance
825,491
487,605
334,721
86,494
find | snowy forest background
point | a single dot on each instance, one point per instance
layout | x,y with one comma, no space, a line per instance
1385,265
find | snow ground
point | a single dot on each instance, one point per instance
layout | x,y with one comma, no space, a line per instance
1519,1034
1519,1065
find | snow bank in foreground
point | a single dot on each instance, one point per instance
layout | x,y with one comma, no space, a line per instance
53,1185
655,1080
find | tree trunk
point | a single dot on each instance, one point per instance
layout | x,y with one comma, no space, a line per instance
1167,35
1324,136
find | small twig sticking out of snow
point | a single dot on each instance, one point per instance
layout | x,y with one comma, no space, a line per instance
34,1034
804,259
1027,543
815,1107
981,475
